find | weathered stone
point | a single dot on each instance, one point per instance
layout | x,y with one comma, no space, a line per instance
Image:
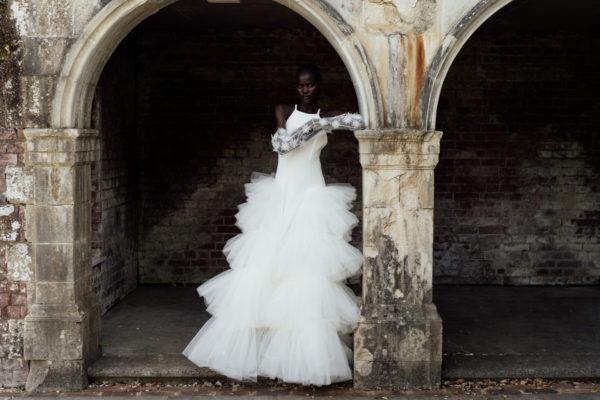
42,18
397,53
57,185
83,12
36,104
18,262
48,375
44,56
19,185
54,224
14,338
9,229
54,261
61,341
62,327
398,339
60,147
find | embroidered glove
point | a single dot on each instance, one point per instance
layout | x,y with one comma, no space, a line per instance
283,141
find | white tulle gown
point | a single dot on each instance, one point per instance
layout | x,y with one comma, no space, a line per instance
283,310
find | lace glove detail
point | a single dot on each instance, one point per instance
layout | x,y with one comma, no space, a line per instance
283,141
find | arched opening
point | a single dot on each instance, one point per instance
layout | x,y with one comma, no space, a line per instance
184,108
517,197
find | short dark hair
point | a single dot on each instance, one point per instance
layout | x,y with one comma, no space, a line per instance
311,69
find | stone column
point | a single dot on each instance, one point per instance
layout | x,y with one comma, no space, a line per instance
62,327
398,341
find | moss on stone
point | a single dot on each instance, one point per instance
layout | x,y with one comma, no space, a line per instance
10,65
9,44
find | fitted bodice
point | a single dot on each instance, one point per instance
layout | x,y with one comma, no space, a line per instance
301,167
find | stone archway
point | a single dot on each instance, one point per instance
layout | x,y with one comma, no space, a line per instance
506,35
85,61
62,329
451,45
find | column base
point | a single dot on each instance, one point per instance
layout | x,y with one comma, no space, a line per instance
61,341
397,347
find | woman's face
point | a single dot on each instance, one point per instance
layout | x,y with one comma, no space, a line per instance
308,88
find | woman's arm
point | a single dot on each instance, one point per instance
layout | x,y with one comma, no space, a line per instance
331,113
282,113
284,142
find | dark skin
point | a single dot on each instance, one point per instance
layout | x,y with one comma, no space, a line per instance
308,89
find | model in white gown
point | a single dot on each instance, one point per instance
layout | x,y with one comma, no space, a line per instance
282,309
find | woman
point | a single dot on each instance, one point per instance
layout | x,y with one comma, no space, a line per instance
282,309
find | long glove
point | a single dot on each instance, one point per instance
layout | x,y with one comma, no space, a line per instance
283,141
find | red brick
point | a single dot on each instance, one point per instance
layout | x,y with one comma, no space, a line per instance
4,299
15,147
8,159
18,299
8,134
15,312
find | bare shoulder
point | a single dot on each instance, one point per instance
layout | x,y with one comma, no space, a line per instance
331,113
282,113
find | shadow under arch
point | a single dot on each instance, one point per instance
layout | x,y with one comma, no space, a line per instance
451,45
86,59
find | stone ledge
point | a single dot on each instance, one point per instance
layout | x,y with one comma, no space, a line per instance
31,133
406,149
158,366
494,366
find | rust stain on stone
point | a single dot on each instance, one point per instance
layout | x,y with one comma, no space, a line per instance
419,76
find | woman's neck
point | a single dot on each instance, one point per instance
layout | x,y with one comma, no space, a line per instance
307,108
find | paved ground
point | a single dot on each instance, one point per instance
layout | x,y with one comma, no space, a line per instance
489,332
525,389
523,331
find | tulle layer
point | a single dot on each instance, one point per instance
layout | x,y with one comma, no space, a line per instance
313,354
255,301
316,223
283,309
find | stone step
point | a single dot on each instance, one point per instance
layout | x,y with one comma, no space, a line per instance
167,368
494,366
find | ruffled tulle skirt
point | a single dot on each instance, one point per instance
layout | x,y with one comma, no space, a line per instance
283,310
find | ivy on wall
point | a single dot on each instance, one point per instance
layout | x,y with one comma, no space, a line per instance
10,55
9,44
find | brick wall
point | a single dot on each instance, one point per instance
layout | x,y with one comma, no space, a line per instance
517,186
114,183
15,262
516,199
205,115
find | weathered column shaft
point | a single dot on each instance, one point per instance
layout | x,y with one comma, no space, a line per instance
398,341
62,328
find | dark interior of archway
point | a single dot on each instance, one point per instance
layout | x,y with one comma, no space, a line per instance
517,186
185,108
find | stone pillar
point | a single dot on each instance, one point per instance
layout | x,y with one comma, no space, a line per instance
398,341
62,327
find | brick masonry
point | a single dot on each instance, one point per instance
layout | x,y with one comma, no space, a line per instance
517,194
15,262
204,115
15,268
517,186
114,182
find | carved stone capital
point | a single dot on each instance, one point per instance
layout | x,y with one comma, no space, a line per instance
59,147
404,149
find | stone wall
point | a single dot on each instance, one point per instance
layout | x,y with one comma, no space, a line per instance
15,190
15,261
543,230
205,115
517,195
